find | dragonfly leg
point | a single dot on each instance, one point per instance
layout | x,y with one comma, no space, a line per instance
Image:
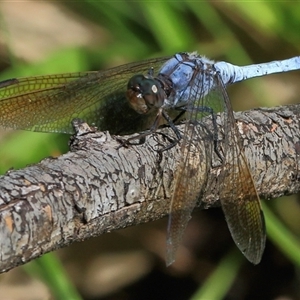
214,134
173,142
142,136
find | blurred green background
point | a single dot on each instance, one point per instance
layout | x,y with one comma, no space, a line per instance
56,37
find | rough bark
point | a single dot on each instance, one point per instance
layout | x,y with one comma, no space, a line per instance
99,186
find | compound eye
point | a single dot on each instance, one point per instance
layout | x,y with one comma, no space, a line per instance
136,101
135,82
144,93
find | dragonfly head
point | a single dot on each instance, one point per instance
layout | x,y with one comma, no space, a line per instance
144,93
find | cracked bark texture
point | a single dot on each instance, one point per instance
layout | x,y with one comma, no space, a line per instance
99,186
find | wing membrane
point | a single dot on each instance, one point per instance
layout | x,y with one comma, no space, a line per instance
235,188
239,198
192,171
49,103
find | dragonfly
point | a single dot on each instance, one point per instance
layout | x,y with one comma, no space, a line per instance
120,100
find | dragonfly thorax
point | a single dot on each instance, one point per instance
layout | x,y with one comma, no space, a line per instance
144,93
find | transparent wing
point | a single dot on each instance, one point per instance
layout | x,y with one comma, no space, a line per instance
235,187
239,198
190,180
192,171
49,103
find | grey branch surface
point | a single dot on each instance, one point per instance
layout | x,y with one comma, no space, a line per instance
99,186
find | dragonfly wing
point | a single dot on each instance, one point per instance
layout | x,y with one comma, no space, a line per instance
235,187
49,103
190,178
193,169
239,198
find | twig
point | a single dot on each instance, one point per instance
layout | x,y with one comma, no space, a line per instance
99,186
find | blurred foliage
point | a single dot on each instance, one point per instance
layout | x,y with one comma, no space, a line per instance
239,32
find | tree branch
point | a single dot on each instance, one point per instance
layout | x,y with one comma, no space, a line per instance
99,186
